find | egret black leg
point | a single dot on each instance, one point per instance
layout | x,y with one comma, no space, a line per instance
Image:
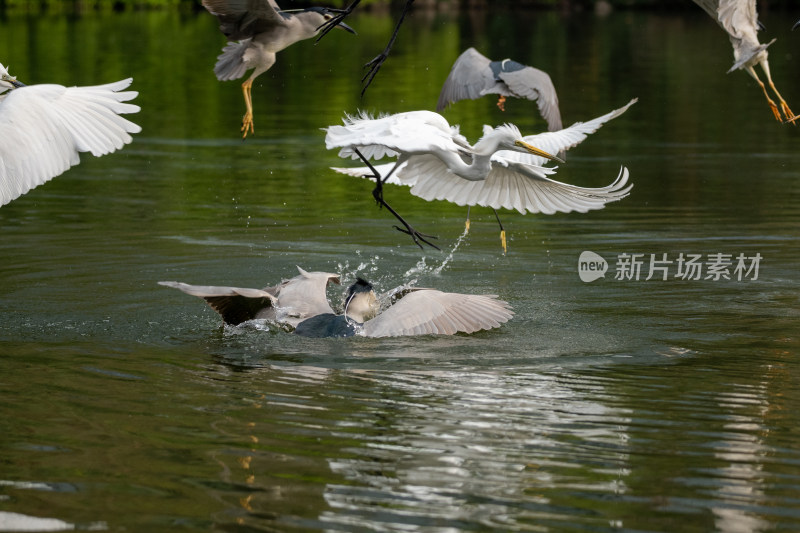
334,21
377,193
375,65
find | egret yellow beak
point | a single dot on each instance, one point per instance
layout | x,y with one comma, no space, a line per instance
536,151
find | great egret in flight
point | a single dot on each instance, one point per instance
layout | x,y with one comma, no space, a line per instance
739,19
426,135
44,127
302,303
257,30
441,165
474,75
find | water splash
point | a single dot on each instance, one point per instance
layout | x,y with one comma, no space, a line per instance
369,269
366,268
422,267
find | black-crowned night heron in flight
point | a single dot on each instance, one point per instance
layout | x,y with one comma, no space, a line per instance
373,65
739,19
422,135
502,170
302,303
474,75
256,31
44,127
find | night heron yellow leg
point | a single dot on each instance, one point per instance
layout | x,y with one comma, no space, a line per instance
787,113
772,105
501,103
247,119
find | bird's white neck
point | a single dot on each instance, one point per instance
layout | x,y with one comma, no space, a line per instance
475,171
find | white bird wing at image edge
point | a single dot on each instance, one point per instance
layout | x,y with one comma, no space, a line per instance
44,127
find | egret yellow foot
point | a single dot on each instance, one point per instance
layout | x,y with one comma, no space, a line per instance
503,241
501,103
466,224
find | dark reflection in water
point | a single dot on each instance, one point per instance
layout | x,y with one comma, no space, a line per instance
632,405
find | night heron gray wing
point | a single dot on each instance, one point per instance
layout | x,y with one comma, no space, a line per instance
473,75
44,127
242,19
305,296
533,84
289,302
739,19
432,312
234,304
469,78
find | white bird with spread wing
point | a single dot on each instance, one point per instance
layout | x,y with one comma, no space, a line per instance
438,163
44,127
302,303
426,135
739,19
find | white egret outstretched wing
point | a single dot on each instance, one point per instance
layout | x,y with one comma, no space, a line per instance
44,127
383,170
414,131
432,312
509,185
557,141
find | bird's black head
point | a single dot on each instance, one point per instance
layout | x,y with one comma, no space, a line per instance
361,285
